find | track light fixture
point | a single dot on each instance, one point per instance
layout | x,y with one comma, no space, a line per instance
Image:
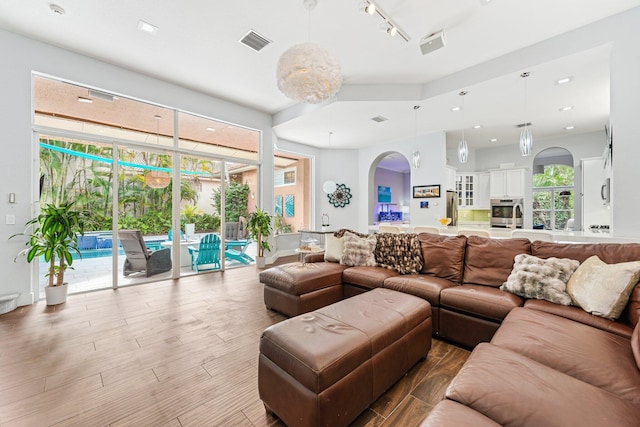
387,25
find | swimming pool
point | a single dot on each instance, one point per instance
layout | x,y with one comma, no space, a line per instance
100,245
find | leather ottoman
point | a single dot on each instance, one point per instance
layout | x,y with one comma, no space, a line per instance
325,367
297,288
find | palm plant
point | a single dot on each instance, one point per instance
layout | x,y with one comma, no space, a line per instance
54,235
259,226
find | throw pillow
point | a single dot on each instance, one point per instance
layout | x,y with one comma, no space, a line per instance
538,278
333,248
603,289
358,250
399,252
443,256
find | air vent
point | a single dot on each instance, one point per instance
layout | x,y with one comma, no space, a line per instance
521,125
100,95
379,119
254,41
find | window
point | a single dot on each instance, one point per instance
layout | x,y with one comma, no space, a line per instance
284,177
553,197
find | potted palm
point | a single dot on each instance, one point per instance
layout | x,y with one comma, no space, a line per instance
259,227
54,235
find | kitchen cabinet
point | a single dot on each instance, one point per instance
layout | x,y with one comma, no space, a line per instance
481,199
506,183
451,179
465,188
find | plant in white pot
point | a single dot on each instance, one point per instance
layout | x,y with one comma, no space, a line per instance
259,227
54,235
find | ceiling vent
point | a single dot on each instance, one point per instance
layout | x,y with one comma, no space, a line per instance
521,125
379,119
254,41
101,95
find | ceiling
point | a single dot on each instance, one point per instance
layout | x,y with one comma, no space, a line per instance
197,46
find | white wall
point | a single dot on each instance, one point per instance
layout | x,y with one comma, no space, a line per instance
19,162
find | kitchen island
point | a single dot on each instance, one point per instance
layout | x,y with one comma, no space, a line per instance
588,236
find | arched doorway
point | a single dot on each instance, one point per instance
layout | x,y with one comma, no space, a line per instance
553,190
389,188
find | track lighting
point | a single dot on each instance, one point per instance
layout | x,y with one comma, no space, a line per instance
387,25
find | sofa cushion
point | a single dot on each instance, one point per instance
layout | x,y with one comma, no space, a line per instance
367,277
583,352
443,256
579,315
514,390
449,413
333,248
483,301
399,252
635,344
538,278
358,250
490,261
421,285
603,289
610,253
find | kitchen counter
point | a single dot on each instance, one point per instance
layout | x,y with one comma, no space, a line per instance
502,233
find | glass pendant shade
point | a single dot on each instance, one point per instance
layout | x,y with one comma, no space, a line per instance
526,141
157,179
415,159
463,151
308,73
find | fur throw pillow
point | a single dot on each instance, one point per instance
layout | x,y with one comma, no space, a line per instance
399,252
538,278
358,250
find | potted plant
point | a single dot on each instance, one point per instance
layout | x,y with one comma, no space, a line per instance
54,235
190,214
259,226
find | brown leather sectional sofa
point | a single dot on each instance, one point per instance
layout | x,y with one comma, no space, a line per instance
535,362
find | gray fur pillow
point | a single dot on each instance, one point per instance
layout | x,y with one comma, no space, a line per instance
538,278
358,250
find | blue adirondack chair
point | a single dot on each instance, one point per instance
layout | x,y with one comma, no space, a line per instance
239,254
170,235
207,254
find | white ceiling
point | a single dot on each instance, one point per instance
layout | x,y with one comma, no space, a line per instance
197,46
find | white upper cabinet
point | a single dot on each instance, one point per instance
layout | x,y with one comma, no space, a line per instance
506,183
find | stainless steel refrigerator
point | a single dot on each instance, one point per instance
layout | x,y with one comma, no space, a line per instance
452,207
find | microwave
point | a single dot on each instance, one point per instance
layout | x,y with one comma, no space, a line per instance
502,212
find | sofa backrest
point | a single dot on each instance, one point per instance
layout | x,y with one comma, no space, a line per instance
611,253
489,261
443,256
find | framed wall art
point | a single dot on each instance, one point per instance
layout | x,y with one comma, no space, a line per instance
426,191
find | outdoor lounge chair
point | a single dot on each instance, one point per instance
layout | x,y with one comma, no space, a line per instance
140,258
239,255
208,253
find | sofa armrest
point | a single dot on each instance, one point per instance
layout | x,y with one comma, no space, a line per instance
309,258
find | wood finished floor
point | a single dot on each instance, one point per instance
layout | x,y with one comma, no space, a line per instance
171,353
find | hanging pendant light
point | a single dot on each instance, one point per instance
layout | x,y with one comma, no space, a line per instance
463,148
526,139
157,178
307,72
415,156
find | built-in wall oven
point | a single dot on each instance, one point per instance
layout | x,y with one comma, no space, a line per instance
502,212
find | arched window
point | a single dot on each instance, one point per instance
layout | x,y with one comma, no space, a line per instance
553,191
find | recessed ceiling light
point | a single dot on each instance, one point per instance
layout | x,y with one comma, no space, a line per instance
567,108
146,27
85,100
456,108
569,128
485,2
211,129
477,127
564,80
494,139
